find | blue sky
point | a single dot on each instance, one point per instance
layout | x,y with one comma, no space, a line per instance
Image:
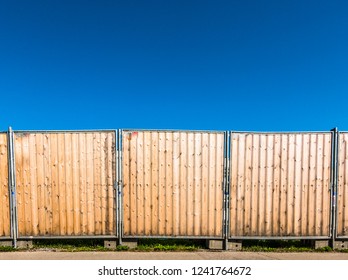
213,65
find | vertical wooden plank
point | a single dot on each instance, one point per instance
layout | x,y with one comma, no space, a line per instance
341,180
319,184
76,219
155,183
38,157
343,193
19,181
269,185
62,184
325,224
342,185
248,184
127,177
47,167
110,179
255,184
103,184
55,184
190,183
27,185
176,187
133,183
283,184
241,185
211,182
205,185
162,183
305,184
68,184
276,186
219,184
5,207
83,183
262,185
312,180
32,188
234,184
90,184
97,183
297,185
147,183
183,183
140,184
197,184
291,185
169,183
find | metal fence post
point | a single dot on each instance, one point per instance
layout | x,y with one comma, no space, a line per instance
12,187
334,184
226,195
120,186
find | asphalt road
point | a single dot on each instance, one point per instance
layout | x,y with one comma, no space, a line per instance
198,255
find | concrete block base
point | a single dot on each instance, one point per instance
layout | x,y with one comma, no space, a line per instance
24,244
215,244
321,244
235,246
130,243
341,245
110,244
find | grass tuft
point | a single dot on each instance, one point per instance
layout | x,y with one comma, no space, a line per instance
276,246
70,245
168,245
7,249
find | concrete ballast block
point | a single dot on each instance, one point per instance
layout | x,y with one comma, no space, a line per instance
110,244
341,245
215,244
235,246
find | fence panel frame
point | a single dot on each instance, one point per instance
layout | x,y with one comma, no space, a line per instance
7,188
223,185
338,190
331,183
12,170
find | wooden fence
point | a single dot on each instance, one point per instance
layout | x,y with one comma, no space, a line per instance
5,229
342,194
173,183
280,185
187,184
65,183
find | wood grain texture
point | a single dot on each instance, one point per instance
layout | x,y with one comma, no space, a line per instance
280,185
342,193
174,180
64,181
4,188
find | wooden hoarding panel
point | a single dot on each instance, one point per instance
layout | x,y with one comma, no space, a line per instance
280,185
5,223
173,183
64,181
342,193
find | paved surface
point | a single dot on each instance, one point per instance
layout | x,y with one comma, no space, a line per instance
200,255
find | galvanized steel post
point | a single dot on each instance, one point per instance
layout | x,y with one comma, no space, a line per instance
226,195
116,184
12,187
120,186
334,184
